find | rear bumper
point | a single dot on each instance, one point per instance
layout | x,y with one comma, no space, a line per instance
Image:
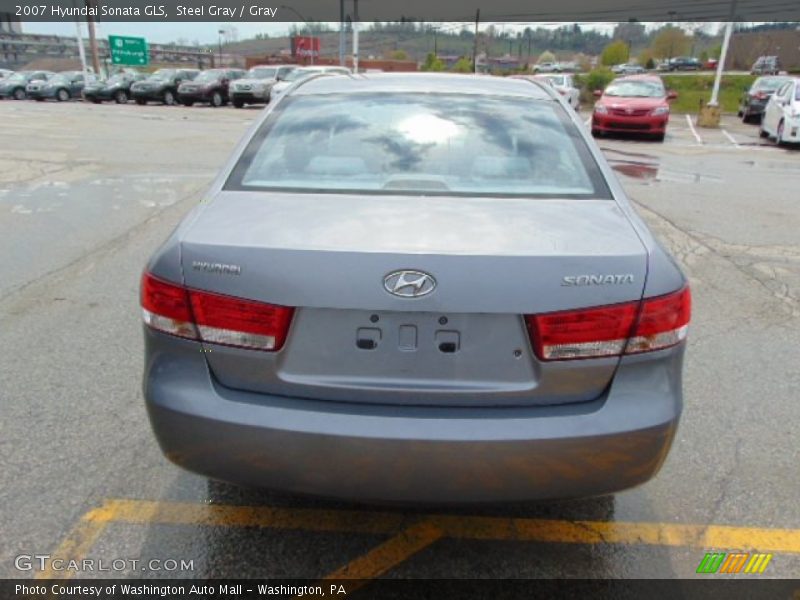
615,123
412,454
250,97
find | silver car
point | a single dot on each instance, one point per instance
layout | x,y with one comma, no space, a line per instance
255,86
417,288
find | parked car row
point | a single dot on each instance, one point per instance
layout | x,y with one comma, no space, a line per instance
216,87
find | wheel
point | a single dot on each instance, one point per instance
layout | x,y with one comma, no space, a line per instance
169,98
761,132
216,99
19,94
779,134
238,103
188,102
121,97
62,95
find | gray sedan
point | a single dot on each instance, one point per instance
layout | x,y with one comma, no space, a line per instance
417,288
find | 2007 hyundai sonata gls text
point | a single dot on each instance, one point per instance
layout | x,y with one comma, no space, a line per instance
425,288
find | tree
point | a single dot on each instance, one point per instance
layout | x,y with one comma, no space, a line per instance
615,53
432,63
670,42
546,57
463,65
398,55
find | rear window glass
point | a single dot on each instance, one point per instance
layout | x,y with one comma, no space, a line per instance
419,144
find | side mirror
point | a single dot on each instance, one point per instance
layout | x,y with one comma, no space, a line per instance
672,95
597,93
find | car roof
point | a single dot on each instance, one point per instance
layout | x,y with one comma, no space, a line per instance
423,83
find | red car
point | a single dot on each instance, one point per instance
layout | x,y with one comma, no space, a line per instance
634,104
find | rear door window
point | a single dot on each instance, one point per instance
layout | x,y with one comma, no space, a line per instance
421,144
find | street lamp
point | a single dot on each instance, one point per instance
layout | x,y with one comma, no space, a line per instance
221,32
302,18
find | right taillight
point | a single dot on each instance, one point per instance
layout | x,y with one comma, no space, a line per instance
213,318
628,328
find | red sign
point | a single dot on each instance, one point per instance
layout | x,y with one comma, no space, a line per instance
305,45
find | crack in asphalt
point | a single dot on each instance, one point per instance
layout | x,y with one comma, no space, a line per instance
689,247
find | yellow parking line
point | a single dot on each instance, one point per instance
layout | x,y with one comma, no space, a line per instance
387,555
453,526
79,541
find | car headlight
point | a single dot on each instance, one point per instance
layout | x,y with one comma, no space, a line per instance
600,109
661,110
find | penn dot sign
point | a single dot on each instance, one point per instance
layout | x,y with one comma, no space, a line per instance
128,50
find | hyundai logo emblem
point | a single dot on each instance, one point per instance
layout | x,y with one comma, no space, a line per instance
409,284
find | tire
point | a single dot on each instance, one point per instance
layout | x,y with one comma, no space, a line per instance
779,134
19,94
761,132
238,103
62,95
140,101
169,98
216,100
121,97
188,102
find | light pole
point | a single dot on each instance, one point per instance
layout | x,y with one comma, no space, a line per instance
308,25
220,32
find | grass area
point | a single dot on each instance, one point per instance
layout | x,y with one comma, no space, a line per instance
694,89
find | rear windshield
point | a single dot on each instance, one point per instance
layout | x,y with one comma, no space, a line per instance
429,144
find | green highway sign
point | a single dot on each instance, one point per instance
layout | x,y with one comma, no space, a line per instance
128,50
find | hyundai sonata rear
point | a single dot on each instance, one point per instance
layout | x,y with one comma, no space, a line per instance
422,288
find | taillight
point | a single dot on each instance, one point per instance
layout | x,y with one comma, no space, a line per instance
237,322
165,307
214,318
628,328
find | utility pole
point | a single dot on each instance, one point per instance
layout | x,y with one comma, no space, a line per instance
710,113
355,36
475,42
92,38
341,33
435,42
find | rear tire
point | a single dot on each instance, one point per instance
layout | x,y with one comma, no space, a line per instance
121,97
169,98
216,100
779,135
62,95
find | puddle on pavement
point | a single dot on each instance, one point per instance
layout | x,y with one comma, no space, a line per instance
649,172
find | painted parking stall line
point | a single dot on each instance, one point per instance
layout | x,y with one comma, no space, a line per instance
693,130
407,538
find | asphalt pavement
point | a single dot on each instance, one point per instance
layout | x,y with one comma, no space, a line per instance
88,192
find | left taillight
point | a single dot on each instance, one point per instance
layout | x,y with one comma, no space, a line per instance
214,318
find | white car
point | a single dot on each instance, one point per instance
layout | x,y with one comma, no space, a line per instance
564,84
301,73
781,119
547,67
